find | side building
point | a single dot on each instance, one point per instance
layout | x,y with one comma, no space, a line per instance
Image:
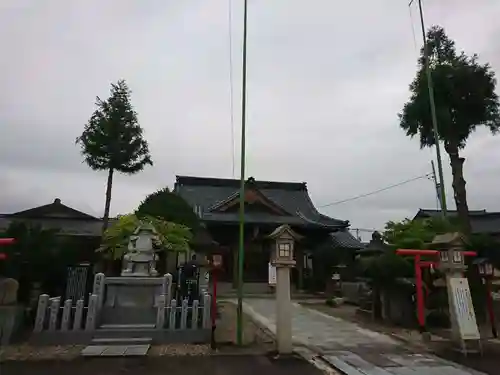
82,228
481,221
267,206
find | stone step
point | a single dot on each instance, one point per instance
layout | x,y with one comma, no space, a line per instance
295,297
115,350
127,326
124,333
121,340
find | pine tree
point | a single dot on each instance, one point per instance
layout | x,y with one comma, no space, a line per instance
113,139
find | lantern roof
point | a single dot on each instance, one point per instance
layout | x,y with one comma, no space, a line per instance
284,231
449,239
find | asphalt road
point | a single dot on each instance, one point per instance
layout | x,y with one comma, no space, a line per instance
205,365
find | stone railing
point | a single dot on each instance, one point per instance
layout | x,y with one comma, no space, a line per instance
72,318
172,316
72,322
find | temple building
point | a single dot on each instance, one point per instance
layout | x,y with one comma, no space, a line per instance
267,206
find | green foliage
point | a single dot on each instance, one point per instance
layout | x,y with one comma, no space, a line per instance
384,269
112,138
415,234
172,236
168,206
331,302
464,93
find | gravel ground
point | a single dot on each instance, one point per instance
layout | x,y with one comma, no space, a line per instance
177,365
255,341
37,353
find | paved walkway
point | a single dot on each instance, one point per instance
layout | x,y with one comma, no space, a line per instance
350,348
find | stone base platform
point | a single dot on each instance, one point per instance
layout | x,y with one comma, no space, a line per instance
115,350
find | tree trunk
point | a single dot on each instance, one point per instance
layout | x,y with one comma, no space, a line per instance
460,193
105,219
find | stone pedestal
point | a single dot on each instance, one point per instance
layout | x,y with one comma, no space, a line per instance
283,310
283,259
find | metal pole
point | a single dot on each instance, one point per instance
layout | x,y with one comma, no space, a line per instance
433,110
437,187
489,304
241,249
213,343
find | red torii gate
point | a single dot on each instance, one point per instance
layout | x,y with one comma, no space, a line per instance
419,264
5,242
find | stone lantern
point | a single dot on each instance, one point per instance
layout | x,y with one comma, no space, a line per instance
140,259
451,248
282,258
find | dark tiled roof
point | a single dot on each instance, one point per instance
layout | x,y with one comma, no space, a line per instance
482,222
52,210
292,197
422,213
346,240
70,227
488,223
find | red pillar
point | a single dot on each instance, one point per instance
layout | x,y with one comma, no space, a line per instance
420,294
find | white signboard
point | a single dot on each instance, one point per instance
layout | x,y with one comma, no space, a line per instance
464,310
271,274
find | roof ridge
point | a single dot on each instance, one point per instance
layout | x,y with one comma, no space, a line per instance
56,203
229,182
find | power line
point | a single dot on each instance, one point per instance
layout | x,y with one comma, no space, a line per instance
413,29
231,105
376,191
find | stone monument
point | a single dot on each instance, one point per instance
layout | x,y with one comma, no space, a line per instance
10,312
8,291
140,259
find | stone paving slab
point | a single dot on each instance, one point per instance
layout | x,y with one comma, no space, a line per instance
93,350
350,348
115,350
136,350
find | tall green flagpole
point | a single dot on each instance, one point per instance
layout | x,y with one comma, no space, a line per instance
241,249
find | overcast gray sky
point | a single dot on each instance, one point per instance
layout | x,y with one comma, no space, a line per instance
326,80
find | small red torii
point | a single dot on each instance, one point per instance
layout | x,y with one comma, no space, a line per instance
5,242
419,264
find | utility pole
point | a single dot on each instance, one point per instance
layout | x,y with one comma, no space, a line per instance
241,248
436,185
432,104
